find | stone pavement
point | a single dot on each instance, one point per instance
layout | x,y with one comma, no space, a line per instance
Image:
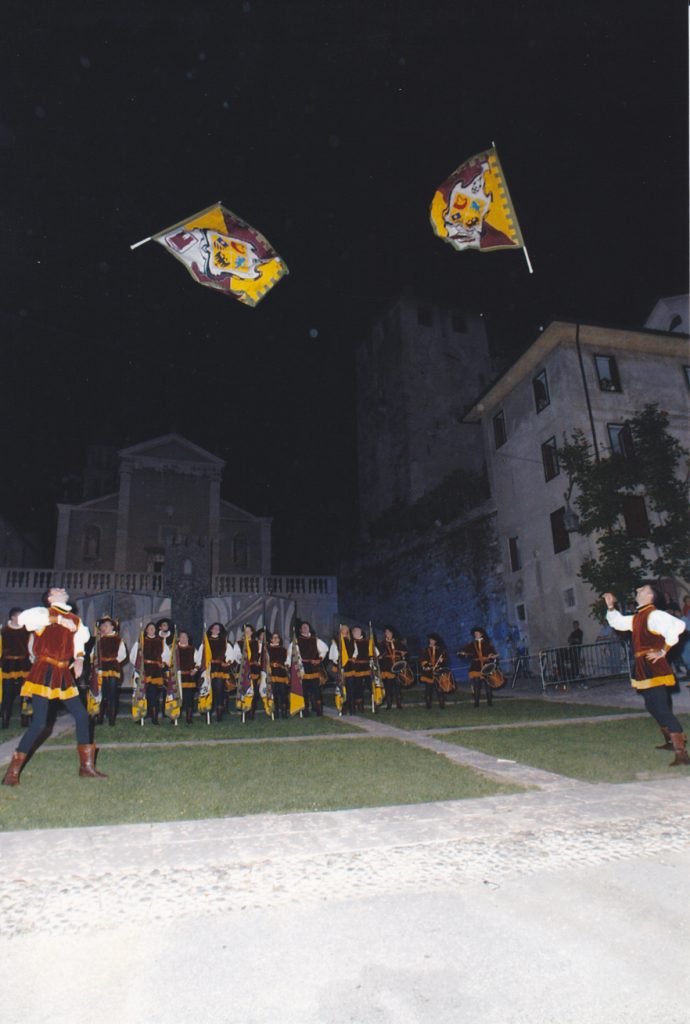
566,903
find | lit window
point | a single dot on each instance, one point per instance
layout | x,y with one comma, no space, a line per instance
549,457
607,373
620,439
540,386
559,534
514,552
91,542
500,436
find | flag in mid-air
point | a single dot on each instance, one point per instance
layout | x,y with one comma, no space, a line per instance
472,209
222,251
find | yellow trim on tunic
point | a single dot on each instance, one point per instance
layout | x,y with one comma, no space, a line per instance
49,692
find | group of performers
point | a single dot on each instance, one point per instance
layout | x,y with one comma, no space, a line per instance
43,650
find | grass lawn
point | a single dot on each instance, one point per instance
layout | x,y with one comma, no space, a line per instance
505,710
593,752
231,728
181,783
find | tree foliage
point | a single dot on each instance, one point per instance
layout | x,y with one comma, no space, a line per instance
656,469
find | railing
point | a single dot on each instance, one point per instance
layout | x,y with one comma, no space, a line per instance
278,586
582,663
92,581
80,581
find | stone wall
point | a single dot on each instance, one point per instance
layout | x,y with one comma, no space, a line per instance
441,579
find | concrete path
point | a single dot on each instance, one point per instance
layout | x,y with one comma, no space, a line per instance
568,903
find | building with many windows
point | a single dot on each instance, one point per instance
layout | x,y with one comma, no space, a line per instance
574,376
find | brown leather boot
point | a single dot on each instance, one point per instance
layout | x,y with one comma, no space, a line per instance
87,762
678,740
14,771
667,744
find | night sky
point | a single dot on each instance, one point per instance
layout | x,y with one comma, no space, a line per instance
327,125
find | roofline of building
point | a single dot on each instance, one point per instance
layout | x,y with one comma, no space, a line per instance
560,332
140,449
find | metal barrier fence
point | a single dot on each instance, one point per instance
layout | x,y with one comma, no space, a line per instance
583,663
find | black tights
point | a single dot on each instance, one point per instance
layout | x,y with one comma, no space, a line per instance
657,700
40,719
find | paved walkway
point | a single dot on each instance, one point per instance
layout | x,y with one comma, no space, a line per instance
538,907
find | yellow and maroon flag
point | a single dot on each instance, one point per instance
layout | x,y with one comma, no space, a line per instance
296,674
472,209
223,252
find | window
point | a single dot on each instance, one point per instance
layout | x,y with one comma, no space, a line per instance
520,613
561,537
91,542
187,567
240,551
514,552
620,439
425,316
569,598
458,324
607,373
635,516
500,436
549,457
541,391
686,371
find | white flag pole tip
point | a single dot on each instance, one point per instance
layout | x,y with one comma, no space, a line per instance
142,242
529,265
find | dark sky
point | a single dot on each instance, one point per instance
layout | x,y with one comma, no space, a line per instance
327,125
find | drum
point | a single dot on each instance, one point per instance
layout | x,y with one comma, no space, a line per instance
323,673
404,672
493,675
445,680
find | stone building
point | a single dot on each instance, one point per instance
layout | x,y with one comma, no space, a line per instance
574,376
426,558
165,543
416,374
168,487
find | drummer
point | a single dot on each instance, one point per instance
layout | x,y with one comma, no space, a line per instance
434,663
392,652
480,650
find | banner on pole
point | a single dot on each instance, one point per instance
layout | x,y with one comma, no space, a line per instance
472,209
223,252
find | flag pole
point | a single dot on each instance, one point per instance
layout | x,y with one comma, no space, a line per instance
523,246
142,242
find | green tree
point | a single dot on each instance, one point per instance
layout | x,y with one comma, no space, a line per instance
655,468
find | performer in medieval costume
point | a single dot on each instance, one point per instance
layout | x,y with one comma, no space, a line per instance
280,681
222,679
14,663
109,655
185,670
166,631
434,661
251,665
312,651
342,654
654,632
152,664
392,653
480,650
361,680
58,650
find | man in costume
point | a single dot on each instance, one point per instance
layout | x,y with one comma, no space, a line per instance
58,650
433,662
392,653
654,632
312,651
15,663
110,654
480,650
151,664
